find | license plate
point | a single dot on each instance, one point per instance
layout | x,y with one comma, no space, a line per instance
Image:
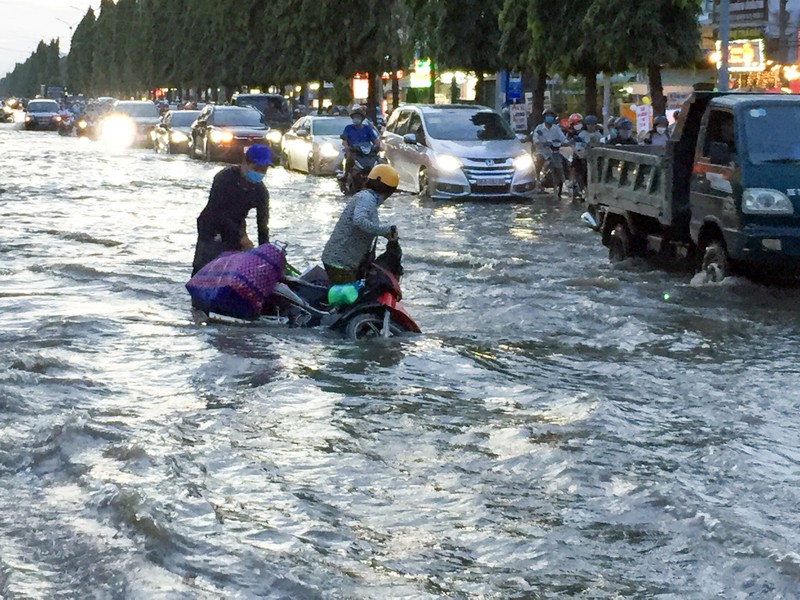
491,181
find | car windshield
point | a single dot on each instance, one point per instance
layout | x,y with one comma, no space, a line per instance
269,106
140,110
329,126
184,118
42,107
467,125
772,134
238,117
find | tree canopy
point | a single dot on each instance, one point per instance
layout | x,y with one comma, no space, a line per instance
133,46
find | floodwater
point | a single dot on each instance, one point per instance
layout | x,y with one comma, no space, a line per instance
563,428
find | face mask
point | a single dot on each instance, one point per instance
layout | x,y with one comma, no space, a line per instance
549,120
357,122
661,130
254,177
578,126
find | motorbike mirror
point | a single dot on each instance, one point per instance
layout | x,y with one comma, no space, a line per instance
410,138
588,220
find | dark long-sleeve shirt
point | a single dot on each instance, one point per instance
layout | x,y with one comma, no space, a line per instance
231,199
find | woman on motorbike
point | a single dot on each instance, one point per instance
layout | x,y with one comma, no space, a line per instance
353,237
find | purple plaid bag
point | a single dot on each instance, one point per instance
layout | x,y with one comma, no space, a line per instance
236,284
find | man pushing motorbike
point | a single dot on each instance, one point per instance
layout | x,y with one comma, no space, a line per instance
353,237
235,191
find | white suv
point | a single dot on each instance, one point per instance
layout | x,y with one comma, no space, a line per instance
447,151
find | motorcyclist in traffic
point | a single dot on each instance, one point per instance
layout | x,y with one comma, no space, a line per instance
591,130
221,226
624,133
348,250
580,140
356,133
544,137
658,136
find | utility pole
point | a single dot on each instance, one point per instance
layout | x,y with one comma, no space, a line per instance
724,41
783,25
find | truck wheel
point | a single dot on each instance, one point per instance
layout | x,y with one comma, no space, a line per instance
716,265
619,244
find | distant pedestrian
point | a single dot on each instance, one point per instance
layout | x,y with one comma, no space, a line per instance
658,136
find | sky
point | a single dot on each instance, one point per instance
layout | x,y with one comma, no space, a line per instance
25,22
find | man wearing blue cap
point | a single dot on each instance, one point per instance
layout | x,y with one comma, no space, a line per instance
222,227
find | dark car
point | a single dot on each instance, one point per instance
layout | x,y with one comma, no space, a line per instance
175,131
145,116
225,132
277,115
42,114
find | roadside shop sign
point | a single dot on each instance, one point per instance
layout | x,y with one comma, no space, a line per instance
519,117
514,91
743,55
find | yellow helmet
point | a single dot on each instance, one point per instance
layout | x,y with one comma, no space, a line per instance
385,175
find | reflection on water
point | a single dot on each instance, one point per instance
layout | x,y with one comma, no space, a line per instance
563,428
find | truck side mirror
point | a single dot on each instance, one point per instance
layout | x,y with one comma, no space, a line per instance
719,153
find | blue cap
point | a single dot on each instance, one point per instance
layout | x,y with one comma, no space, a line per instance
259,155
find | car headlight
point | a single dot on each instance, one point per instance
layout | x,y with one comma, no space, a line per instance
118,131
221,137
274,136
524,162
328,150
757,201
447,163
179,137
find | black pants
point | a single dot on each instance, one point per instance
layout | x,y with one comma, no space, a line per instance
206,251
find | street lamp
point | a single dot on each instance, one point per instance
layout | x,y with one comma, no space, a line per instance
724,42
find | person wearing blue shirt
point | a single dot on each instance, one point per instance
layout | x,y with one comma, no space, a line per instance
358,132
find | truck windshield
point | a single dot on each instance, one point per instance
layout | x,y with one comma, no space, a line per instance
772,134
465,125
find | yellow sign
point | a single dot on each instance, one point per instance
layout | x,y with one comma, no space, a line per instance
743,55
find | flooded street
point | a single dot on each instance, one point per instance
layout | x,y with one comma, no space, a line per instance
561,428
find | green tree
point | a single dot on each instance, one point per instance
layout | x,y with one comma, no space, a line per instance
81,53
647,36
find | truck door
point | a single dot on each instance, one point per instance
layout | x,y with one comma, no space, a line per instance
715,174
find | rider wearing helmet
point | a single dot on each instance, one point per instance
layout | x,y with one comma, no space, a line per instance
545,137
591,129
354,235
658,135
624,136
354,134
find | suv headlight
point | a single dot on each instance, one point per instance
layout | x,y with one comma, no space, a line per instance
523,162
766,202
447,163
221,137
274,136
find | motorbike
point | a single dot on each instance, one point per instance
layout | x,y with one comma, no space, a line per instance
303,300
83,127
578,170
551,169
66,125
365,157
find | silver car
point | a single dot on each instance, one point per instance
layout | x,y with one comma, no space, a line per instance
457,151
314,144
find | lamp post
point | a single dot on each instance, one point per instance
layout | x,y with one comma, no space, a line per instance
724,42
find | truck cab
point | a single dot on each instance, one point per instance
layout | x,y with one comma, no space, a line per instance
744,196
724,193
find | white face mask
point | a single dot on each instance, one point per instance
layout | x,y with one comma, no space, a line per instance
578,126
661,130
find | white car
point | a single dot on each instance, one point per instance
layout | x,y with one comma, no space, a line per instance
314,144
450,151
